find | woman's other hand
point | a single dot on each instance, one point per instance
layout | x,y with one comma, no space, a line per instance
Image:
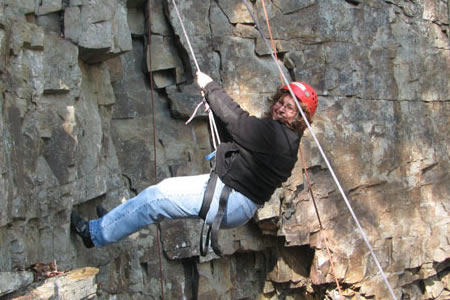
202,79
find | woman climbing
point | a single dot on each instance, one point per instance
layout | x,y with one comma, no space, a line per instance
257,156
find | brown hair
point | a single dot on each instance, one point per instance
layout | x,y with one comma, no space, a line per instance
298,125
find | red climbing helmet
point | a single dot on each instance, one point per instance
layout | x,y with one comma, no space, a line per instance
305,93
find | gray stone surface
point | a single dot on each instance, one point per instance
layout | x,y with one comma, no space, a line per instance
160,26
99,28
48,6
60,66
184,101
164,54
25,6
136,21
13,281
76,119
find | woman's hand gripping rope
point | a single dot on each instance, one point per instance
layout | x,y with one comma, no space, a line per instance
202,80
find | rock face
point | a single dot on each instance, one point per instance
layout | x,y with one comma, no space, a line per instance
76,118
76,284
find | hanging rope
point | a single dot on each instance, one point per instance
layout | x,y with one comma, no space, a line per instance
324,157
185,35
305,171
271,38
212,124
322,230
158,240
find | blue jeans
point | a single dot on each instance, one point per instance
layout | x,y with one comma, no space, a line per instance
172,198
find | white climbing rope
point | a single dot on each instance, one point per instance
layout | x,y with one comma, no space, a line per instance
324,156
212,123
185,35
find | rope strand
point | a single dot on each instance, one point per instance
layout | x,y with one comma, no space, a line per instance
186,36
322,230
271,38
212,123
325,159
158,240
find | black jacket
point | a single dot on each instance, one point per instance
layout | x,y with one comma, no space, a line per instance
261,153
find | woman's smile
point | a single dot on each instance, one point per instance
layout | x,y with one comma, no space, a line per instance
285,109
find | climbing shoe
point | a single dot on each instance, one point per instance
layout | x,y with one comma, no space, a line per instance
101,211
81,227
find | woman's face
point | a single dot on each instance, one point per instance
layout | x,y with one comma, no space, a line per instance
285,109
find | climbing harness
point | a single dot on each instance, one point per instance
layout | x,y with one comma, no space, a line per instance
212,234
324,157
158,241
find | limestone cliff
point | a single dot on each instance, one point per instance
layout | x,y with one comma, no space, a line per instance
76,119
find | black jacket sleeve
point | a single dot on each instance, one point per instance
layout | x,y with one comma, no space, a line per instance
248,131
